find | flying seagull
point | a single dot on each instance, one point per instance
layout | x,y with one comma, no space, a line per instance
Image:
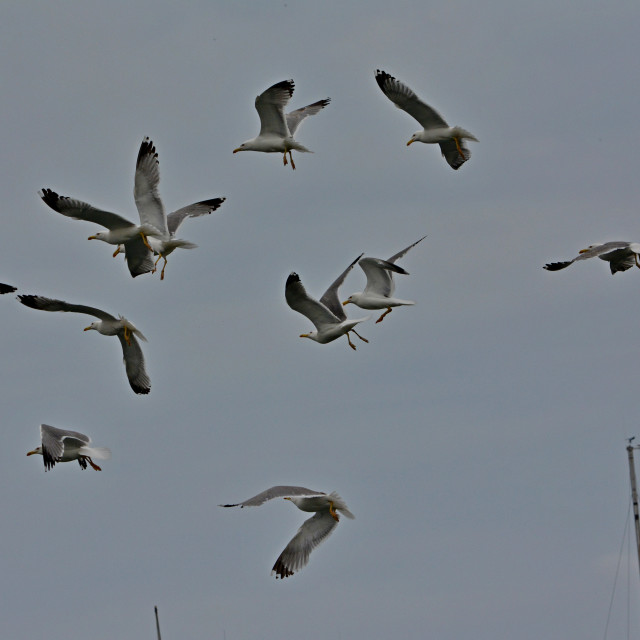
435,129
312,532
6,288
378,293
620,256
60,445
276,128
327,315
151,210
107,325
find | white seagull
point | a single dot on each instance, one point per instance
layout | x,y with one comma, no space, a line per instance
435,129
312,532
276,128
151,210
60,445
378,293
107,325
619,254
327,315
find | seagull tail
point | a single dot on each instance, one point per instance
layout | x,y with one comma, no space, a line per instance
101,453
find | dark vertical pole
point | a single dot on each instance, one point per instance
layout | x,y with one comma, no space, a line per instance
157,623
634,498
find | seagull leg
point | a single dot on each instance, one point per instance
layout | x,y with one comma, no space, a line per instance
117,251
164,266
359,336
381,318
637,263
92,463
293,166
458,147
332,511
353,346
146,242
127,335
284,158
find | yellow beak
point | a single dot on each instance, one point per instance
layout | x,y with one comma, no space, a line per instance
236,150
410,141
92,238
86,328
31,453
346,302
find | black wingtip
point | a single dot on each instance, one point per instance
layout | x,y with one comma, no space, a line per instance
7,288
382,77
146,149
293,277
556,266
29,301
50,198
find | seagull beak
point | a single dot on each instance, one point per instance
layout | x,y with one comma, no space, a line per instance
31,453
304,335
86,328
283,498
236,150
410,141
346,302
583,250
92,238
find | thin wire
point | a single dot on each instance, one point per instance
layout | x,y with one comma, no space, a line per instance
625,536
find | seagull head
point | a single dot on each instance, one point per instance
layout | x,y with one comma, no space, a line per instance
100,235
94,325
37,450
312,335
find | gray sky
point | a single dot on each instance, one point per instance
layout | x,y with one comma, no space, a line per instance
479,438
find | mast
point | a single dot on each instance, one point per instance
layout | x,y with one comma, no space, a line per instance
157,623
634,495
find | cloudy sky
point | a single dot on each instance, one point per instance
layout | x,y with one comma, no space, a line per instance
479,438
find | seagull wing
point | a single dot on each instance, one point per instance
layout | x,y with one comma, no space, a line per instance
298,299
397,256
597,250
619,259
296,554
295,118
6,288
139,258
49,304
134,364
405,99
175,219
279,491
79,210
53,443
145,190
270,106
330,298
379,276
450,152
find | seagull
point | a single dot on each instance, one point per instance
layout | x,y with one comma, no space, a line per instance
151,211
312,532
60,445
6,288
107,325
276,129
327,315
619,254
378,293
435,129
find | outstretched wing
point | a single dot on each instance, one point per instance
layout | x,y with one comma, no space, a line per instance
270,106
49,304
6,288
405,99
134,364
296,554
330,298
175,219
379,276
53,443
279,491
298,299
79,210
145,189
397,256
295,118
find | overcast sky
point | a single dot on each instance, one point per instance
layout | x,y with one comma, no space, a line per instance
479,438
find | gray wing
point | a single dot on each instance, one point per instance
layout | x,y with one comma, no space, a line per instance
298,299
6,288
330,298
49,304
379,276
619,259
145,189
294,118
296,554
279,491
397,256
53,440
139,258
450,152
79,210
405,99
270,106
594,251
134,364
175,219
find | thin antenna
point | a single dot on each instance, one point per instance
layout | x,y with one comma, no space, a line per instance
157,624
634,495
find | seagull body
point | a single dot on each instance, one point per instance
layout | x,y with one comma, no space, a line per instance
60,445
107,325
619,254
6,288
276,128
163,242
378,293
327,314
312,532
435,129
